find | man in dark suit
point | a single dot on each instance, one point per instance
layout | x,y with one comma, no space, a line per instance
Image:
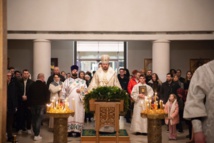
168,87
38,97
124,81
12,103
24,113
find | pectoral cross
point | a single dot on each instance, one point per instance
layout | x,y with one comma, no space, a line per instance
105,81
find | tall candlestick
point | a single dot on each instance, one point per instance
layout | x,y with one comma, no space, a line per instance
161,104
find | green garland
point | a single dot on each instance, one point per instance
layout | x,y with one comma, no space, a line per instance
107,93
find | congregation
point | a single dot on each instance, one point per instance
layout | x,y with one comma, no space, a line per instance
26,98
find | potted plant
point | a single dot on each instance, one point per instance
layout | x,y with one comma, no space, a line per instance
106,94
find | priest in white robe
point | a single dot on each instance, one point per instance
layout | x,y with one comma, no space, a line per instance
74,90
104,76
199,106
139,94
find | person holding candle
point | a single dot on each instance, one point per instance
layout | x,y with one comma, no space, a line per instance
74,90
139,124
156,84
172,109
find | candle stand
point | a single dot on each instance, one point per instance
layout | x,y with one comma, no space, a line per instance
60,111
60,126
154,124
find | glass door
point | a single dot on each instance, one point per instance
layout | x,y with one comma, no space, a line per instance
88,54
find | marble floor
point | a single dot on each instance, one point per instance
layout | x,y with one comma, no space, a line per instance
48,136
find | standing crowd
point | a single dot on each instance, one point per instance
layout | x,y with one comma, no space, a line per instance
26,99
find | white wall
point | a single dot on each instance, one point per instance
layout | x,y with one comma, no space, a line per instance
183,51
111,15
180,53
137,52
63,50
20,53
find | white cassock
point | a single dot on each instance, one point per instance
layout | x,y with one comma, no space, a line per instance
200,100
104,78
138,123
75,124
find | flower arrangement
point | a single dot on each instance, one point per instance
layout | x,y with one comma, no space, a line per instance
107,94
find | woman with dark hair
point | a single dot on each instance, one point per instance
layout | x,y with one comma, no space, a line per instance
187,80
155,83
186,87
127,74
82,75
173,72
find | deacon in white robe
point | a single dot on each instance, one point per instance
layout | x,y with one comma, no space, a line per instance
74,90
139,124
199,106
104,76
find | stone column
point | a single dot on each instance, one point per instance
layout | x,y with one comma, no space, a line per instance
41,58
161,58
3,69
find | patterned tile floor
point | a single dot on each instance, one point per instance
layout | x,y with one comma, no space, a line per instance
48,136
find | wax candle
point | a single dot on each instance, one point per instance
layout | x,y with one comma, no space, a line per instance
148,106
161,104
155,96
156,105
150,103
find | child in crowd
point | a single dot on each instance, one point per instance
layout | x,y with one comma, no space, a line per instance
171,108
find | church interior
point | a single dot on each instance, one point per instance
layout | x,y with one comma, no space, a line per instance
137,34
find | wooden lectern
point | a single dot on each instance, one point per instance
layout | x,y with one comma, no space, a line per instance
106,114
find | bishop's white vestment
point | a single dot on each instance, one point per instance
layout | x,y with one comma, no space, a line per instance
104,78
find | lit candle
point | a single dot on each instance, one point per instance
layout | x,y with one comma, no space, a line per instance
48,106
156,105
155,96
150,103
161,104
52,103
148,106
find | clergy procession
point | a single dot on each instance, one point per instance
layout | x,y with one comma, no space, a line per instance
188,101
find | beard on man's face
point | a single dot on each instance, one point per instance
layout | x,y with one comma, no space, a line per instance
74,74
